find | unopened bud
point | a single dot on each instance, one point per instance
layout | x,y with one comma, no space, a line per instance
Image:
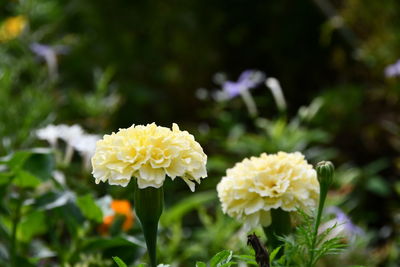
325,170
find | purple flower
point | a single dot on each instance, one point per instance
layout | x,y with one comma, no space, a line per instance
49,54
393,70
247,80
344,226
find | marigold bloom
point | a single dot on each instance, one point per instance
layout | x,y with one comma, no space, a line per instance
119,207
149,153
12,27
255,186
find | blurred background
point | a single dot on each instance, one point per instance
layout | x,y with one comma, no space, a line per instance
105,65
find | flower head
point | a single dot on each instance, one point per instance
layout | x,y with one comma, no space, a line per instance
149,153
247,80
393,70
344,226
115,208
12,27
255,186
49,54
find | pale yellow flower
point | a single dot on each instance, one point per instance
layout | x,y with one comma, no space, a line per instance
12,27
255,186
149,153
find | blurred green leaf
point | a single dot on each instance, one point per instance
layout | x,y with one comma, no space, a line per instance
5,177
221,258
176,212
40,164
102,243
25,179
31,225
274,253
89,208
200,264
378,186
249,259
119,262
17,160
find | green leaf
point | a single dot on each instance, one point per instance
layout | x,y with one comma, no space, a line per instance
5,177
249,259
31,225
274,253
221,258
183,207
119,262
103,243
25,179
40,164
89,208
378,186
200,264
17,160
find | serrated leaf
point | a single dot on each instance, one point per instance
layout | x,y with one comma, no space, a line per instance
119,262
221,258
25,179
200,264
89,208
227,264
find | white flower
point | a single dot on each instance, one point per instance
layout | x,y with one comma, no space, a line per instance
149,153
50,133
255,186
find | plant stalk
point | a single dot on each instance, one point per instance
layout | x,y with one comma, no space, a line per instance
280,226
149,203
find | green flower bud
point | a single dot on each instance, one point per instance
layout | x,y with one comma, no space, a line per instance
325,170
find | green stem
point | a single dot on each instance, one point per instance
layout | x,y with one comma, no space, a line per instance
148,207
280,226
316,226
15,222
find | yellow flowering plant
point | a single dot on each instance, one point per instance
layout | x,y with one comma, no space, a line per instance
262,190
148,154
12,27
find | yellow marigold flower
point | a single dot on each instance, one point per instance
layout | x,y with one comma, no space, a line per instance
149,153
12,27
255,186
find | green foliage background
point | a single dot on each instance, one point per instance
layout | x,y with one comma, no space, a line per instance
135,62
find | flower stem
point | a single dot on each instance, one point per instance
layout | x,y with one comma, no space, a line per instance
316,226
15,222
280,226
149,203
325,171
